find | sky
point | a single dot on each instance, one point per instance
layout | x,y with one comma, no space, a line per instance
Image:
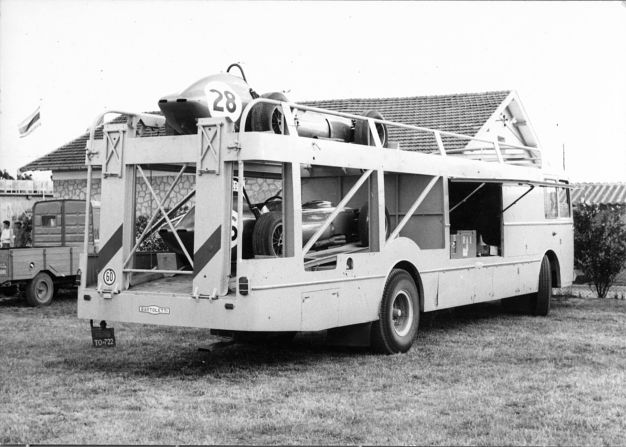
78,58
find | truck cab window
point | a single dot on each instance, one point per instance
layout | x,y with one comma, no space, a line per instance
550,203
48,221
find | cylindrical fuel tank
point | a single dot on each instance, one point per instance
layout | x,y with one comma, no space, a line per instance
316,125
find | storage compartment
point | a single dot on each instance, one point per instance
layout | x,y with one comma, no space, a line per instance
475,219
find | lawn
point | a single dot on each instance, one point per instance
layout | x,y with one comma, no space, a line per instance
475,376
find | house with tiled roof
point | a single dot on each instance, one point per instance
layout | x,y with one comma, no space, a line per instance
494,116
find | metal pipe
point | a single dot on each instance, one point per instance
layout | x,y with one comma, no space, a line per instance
467,197
176,272
246,112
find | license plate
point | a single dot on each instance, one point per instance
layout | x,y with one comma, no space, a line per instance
103,337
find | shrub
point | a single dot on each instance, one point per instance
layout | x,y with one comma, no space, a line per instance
27,225
599,244
152,242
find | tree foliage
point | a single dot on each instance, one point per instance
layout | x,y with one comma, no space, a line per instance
599,244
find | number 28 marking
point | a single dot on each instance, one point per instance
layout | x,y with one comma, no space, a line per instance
222,101
231,106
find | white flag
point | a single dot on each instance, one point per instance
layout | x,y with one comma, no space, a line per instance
30,124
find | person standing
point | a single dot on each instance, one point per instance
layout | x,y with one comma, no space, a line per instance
20,235
6,238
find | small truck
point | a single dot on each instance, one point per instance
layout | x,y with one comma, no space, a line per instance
53,259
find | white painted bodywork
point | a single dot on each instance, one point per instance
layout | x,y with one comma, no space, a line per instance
282,295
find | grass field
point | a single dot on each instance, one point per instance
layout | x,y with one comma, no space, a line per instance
475,376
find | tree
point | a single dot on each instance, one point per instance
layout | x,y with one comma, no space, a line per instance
599,244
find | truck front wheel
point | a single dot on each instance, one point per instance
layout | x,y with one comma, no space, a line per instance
40,290
396,329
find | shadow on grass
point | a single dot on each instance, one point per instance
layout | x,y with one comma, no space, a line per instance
176,353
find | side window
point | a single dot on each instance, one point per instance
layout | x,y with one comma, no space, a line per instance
550,202
48,221
564,202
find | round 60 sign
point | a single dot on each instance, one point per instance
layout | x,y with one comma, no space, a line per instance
108,277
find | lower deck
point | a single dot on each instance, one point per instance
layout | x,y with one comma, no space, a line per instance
168,285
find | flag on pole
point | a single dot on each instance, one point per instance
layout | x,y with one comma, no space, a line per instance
30,124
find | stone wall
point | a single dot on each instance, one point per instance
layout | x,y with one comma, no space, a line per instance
258,190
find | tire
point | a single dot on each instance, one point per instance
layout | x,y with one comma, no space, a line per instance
363,225
535,303
397,327
265,117
540,302
362,129
40,290
267,236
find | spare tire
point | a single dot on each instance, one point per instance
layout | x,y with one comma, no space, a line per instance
363,225
265,117
362,129
267,236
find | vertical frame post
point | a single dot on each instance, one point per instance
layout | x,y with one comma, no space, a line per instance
117,231
376,210
214,182
292,210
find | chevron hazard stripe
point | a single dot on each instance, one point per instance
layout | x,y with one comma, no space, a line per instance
109,249
207,251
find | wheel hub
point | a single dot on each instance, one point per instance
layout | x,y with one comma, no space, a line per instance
402,313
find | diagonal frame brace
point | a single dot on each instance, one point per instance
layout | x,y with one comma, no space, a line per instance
164,213
113,147
210,138
339,208
413,208
149,225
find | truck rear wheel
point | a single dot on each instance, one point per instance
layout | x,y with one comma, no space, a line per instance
540,302
534,303
396,329
40,290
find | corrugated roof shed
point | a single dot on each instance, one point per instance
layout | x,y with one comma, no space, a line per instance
599,193
460,113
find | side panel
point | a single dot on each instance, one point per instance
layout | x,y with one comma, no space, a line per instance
320,305
5,266
74,222
27,262
59,261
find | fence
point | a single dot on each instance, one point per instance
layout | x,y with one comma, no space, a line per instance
22,187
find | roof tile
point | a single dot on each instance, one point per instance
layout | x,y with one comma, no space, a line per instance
599,193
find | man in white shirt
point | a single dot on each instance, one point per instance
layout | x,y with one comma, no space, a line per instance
6,239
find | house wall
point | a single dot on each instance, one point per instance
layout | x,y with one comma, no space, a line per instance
12,206
75,188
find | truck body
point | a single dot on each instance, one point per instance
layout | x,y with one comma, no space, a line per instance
53,260
472,221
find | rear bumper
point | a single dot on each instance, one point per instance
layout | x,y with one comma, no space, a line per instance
232,312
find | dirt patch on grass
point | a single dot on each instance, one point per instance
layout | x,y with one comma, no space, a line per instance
476,375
